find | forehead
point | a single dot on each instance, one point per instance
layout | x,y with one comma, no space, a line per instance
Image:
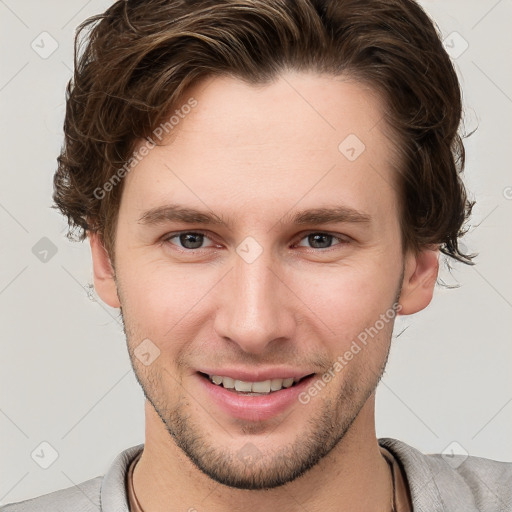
243,149
295,107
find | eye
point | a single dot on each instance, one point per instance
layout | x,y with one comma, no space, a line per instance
320,240
189,240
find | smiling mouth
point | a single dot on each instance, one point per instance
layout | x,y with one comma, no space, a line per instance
265,387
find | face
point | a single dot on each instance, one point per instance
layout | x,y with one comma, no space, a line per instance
268,289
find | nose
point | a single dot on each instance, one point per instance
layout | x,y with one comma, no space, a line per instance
255,305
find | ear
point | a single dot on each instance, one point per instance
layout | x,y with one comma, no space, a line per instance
420,275
104,281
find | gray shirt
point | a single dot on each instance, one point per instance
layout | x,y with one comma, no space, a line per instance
437,484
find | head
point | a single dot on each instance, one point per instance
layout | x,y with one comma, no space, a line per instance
261,117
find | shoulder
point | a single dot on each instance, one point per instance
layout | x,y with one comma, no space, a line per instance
106,493
83,497
449,482
488,482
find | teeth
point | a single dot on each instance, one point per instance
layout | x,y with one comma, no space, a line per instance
287,382
264,387
261,387
276,384
216,379
227,382
240,385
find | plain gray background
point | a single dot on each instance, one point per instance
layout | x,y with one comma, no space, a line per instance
66,379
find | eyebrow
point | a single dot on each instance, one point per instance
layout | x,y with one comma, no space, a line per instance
324,215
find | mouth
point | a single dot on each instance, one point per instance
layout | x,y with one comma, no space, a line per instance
259,388
255,394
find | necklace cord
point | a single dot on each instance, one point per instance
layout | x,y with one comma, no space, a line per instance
393,483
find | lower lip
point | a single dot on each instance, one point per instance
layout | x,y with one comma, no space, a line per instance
251,407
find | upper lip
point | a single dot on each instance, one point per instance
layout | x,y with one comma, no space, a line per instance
258,375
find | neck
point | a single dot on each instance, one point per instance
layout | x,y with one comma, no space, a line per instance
354,476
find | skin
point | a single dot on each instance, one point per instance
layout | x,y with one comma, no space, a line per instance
254,155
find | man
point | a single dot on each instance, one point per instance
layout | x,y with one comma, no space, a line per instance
265,186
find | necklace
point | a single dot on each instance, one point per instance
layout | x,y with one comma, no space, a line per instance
393,484
389,462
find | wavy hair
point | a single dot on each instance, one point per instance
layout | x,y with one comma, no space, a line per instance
134,63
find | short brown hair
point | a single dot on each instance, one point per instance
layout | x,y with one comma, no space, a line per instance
139,58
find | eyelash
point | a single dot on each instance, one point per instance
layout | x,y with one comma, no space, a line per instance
168,238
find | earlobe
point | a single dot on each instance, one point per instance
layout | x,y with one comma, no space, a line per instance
104,281
420,277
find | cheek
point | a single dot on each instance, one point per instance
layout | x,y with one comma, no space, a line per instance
349,298
159,299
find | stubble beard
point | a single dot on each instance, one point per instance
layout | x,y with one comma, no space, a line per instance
262,470
251,467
